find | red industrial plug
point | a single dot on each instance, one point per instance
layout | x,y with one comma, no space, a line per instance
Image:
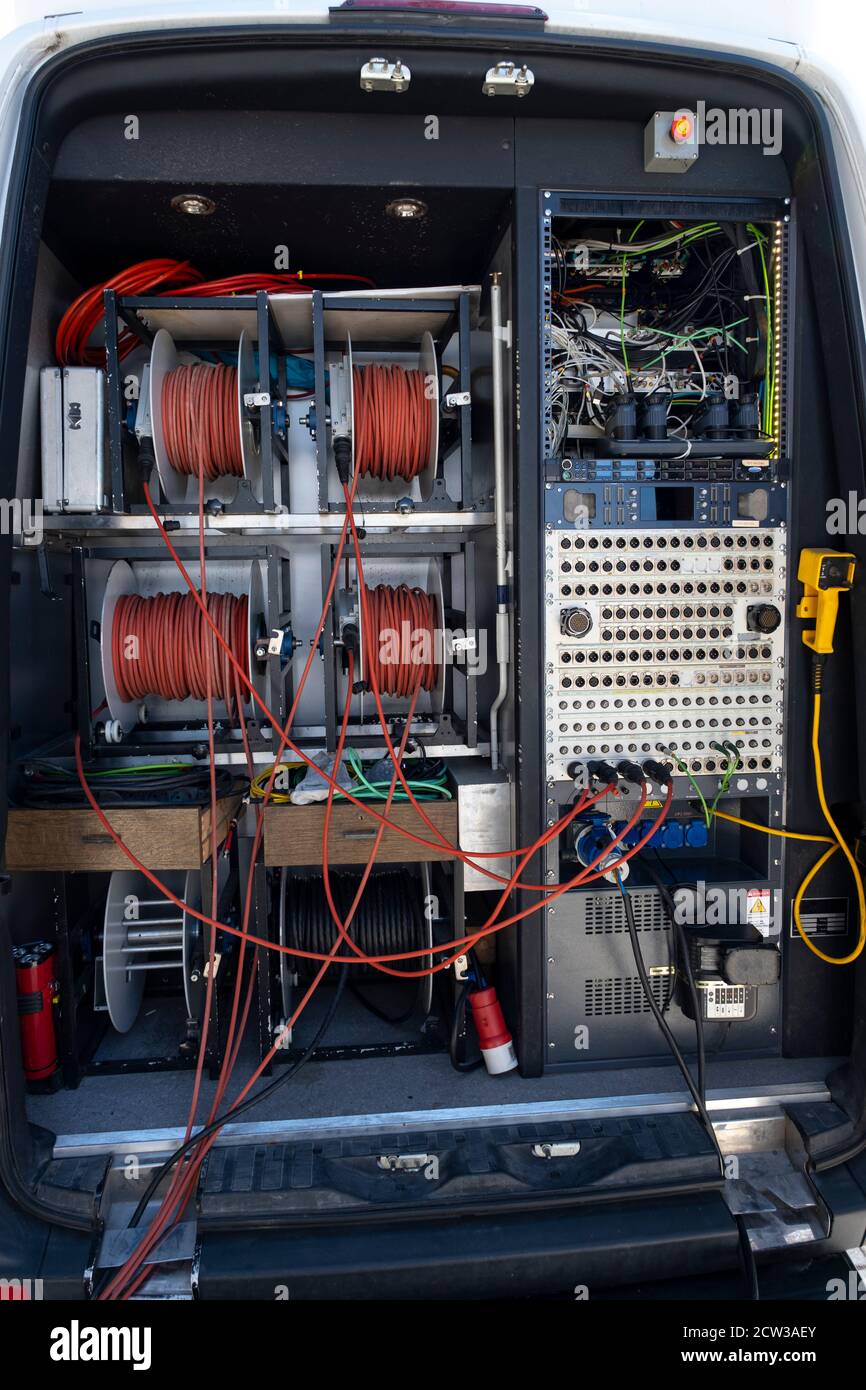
497,1048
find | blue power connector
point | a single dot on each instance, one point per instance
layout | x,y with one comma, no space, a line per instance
697,834
671,834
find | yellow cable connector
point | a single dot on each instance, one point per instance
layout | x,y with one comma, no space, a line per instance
824,574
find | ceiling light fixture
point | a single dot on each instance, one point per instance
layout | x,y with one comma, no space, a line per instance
194,204
406,207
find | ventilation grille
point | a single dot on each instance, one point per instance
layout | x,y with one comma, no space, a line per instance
609,998
604,913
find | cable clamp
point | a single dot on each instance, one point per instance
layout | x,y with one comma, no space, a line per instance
256,399
455,398
461,968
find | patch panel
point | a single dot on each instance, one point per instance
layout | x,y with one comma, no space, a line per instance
665,639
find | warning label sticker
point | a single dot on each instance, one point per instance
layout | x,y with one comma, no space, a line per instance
759,909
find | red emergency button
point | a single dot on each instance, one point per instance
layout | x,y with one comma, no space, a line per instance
682,127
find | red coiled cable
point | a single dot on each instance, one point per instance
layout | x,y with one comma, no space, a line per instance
392,421
200,421
164,276
400,634
158,646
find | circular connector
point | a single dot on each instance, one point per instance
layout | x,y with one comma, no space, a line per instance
575,622
763,617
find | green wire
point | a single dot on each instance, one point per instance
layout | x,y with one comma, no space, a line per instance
635,229
731,765
50,770
769,366
689,234
697,332
430,790
685,771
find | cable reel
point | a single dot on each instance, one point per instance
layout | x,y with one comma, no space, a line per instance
392,916
183,411
405,602
167,651
390,415
145,932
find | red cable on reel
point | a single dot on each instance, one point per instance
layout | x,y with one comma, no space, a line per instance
392,421
158,646
400,631
200,421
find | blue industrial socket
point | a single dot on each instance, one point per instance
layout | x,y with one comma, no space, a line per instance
671,834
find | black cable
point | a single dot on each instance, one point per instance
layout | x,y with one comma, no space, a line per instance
684,959
388,919
660,1019
382,1014
457,1022
216,1125
50,784
747,1255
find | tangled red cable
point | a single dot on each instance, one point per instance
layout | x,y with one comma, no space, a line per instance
392,421
400,637
158,646
163,276
200,420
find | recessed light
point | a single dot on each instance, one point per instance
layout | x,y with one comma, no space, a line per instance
194,204
406,207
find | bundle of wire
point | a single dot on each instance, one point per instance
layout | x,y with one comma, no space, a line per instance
602,334
393,424
400,633
44,783
163,646
164,276
200,422
427,782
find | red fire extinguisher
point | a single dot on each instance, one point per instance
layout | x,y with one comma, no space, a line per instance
37,993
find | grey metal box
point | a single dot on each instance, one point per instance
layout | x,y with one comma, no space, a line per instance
72,401
596,1008
661,152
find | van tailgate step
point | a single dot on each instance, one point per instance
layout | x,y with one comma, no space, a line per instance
441,1167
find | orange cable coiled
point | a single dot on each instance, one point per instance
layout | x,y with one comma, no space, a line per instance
200,421
158,646
400,635
392,421
164,276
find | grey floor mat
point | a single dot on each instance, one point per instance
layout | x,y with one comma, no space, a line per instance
384,1085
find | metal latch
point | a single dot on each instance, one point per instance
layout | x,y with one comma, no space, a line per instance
506,79
455,398
256,398
407,1163
378,75
568,1149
